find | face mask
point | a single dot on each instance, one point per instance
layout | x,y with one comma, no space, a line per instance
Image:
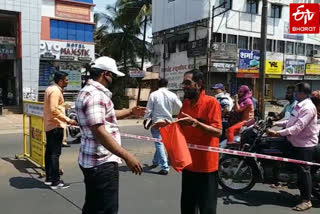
190,93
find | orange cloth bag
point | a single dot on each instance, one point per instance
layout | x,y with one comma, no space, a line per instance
176,146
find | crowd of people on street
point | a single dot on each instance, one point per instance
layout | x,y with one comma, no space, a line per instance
204,120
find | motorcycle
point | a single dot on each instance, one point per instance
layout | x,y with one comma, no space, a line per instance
239,174
73,133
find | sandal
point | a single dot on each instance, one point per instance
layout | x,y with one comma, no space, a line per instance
276,186
303,206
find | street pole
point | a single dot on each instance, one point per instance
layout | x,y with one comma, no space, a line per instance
210,29
143,56
263,56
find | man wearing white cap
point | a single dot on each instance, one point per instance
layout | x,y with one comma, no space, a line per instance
100,150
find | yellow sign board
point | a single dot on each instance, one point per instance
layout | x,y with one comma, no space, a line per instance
274,67
312,69
37,140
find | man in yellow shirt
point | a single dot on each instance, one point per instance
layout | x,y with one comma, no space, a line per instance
55,121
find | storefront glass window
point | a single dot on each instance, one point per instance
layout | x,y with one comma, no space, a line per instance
290,48
280,46
243,42
269,45
309,49
300,49
232,39
256,43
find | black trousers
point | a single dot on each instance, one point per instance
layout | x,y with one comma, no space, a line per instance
304,174
199,192
53,151
102,189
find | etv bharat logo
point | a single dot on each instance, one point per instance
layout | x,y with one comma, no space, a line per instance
304,18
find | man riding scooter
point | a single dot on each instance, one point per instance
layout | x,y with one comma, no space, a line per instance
302,132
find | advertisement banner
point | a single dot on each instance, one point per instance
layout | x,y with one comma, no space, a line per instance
312,69
274,67
304,18
67,51
294,67
37,140
47,69
249,61
224,67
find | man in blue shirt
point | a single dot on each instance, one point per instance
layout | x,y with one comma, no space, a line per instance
286,112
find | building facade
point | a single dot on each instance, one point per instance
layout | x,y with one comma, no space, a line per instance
180,31
20,22
66,42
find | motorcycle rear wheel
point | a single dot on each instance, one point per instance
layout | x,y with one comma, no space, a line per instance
236,174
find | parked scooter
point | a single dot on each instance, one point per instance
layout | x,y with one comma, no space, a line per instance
239,174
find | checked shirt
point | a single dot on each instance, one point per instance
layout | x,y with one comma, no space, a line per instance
94,106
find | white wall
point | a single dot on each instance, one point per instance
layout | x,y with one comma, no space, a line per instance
30,36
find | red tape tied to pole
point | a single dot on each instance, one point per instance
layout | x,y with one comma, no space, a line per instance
227,151
224,151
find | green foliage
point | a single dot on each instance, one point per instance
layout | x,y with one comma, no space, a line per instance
119,34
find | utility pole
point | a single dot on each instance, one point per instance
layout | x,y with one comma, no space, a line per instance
263,56
210,29
143,56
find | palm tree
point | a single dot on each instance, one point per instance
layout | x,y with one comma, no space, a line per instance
120,39
140,11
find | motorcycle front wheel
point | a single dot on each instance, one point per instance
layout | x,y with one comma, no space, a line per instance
236,174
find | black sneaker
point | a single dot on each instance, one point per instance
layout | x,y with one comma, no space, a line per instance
48,182
59,185
163,172
65,145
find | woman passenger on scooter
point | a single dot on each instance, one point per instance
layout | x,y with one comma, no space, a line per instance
245,110
302,132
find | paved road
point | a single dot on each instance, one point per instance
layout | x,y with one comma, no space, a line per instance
23,192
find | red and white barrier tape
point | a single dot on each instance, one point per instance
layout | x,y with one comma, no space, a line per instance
227,151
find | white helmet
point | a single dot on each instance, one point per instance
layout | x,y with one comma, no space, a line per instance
107,64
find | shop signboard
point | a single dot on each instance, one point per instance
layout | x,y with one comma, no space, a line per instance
274,67
248,75
225,67
136,73
311,77
312,69
292,77
249,61
223,51
273,76
67,51
47,69
294,67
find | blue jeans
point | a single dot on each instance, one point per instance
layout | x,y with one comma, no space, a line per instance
160,156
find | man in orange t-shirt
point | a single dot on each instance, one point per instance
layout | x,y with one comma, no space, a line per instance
200,120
